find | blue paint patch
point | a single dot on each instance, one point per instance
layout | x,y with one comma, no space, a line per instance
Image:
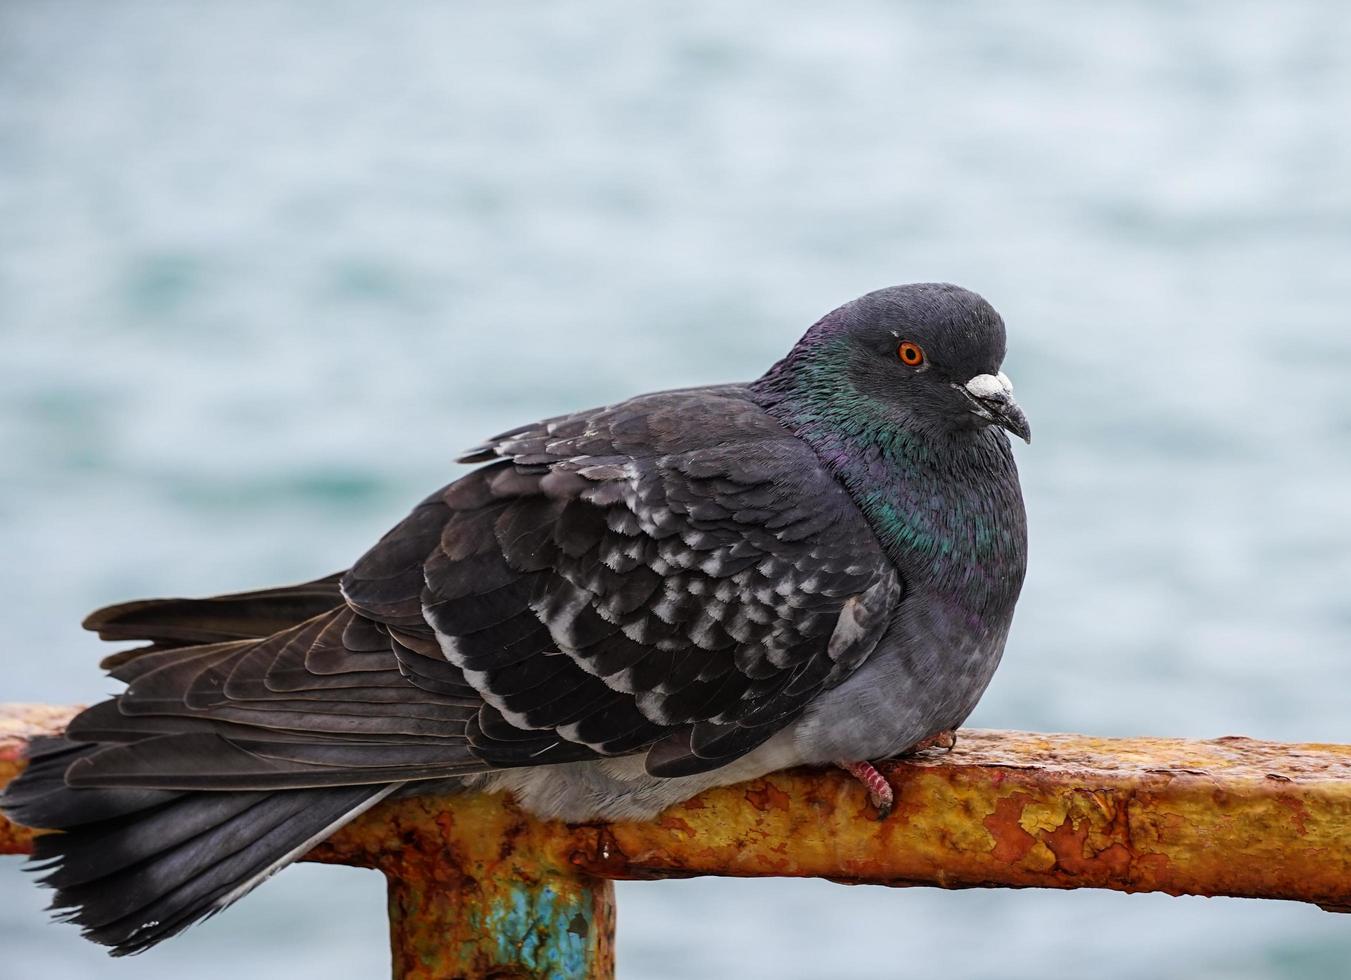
542,930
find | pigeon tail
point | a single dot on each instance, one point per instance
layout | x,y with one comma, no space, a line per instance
133,867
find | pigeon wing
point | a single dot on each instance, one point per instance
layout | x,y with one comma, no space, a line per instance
677,573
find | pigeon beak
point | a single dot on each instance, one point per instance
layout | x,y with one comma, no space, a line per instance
991,398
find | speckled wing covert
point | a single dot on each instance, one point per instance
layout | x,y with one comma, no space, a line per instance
675,573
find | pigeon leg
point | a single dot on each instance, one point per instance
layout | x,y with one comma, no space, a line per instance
879,790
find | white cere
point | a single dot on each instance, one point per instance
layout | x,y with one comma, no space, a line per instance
990,386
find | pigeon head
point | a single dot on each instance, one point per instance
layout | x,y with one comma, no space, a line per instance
926,357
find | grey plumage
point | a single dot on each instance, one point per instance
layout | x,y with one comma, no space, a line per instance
616,609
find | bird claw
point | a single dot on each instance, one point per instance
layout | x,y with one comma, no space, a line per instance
943,740
880,793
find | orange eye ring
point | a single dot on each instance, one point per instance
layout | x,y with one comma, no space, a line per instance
911,355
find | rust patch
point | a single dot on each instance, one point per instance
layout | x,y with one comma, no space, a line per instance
1151,868
670,821
764,795
510,835
1299,813
1075,855
1011,842
601,855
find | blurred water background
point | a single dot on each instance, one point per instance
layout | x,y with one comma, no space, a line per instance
264,268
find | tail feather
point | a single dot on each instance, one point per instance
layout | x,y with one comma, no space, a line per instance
116,845
131,888
41,798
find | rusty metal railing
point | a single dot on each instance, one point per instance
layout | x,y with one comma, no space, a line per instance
477,888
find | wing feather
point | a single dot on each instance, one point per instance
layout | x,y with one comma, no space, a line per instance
675,571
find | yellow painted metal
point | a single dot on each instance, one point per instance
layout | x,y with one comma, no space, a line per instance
1230,816
480,888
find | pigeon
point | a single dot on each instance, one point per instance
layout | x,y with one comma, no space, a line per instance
611,612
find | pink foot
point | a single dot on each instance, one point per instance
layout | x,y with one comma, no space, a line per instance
879,790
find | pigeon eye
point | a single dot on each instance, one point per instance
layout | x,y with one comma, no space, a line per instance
911,355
